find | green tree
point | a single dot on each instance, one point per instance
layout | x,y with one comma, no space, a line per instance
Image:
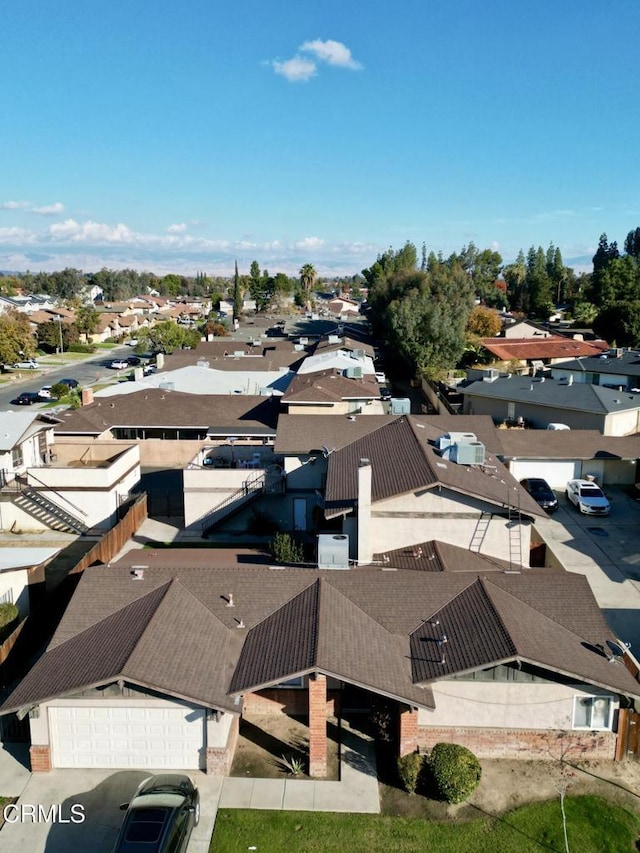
87,320
620,323
307,280
167,336
237,295
16,340
632,243
515,275
50,333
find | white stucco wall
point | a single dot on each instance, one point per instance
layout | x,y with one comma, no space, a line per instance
409,519
302,473
206,488
17,581
491,704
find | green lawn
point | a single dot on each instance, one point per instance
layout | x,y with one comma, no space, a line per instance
594,826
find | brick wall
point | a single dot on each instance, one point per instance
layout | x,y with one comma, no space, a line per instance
40,759
523,743
318,726
220,759
408,723
285,701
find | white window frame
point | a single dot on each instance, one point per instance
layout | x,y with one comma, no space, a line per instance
591,728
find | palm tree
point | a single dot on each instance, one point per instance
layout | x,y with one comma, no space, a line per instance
307,280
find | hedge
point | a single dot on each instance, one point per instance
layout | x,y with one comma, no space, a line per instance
456,771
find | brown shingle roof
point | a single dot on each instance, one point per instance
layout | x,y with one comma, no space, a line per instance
329,386
403,461
174,632
157,407
435,556
302,433
568,444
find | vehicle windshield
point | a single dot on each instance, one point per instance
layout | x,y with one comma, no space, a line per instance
146,825
539,488
591,492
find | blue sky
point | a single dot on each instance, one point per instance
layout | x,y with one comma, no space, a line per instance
178,137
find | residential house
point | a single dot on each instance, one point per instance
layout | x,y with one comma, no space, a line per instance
343,306
160,655
20,570
410,481
540,401
537,351
561,455
26,439
171,427
354,363
616,368
54,495
332,392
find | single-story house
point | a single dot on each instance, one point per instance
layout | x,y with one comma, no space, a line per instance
172,427
540,401
154,665
545,349
617,368
561,455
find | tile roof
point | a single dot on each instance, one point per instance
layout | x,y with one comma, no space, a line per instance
578,396
156,407
403,461
174,631
552,346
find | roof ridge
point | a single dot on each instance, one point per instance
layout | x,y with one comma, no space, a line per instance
356,606
163,588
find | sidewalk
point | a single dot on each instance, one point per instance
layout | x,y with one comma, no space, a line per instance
357,790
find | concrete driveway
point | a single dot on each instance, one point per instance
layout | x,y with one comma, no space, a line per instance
607,551
100,793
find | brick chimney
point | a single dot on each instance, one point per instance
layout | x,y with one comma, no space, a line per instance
87,396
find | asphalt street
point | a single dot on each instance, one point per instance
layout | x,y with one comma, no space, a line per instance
87,372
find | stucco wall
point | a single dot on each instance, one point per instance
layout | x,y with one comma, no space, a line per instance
16,580
539,416
512,705
409,519
206,488
302,473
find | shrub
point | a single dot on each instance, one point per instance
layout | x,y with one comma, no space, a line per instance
456,771
285,549
81,348
409,767
8,614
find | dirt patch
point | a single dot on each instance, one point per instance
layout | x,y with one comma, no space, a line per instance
507,784
269,746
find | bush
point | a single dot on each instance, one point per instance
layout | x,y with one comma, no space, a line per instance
8,614
59,390
81,348
409,767
456,771
285,549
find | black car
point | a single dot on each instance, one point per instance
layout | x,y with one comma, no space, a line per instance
134,361
27,398
541,492
70,383
160,816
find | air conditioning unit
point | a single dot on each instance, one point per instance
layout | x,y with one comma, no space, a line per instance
468,453
490,374
616,352
333,551
359,353
354,372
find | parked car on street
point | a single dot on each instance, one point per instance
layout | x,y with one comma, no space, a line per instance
119,364
160,817
27,398
588,497
70,383
541,492
134,361
45,392
29,364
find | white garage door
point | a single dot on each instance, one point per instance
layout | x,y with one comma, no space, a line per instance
557,474
159,738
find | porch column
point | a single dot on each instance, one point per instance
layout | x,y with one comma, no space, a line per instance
318,725
408,723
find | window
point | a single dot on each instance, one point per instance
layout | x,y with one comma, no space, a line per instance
16,457
298,681
7,597
592,712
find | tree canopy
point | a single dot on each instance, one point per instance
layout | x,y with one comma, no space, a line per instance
16,339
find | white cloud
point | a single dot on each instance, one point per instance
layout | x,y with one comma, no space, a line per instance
296,70
48,209
90,232
12,235
14,205
332,52
178,228
309,243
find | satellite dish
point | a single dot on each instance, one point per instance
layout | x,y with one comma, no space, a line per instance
617,648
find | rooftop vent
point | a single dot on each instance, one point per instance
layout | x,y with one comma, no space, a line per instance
137,572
